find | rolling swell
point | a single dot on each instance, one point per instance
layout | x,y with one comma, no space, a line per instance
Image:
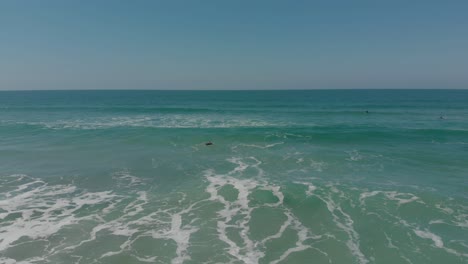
311,132
291,177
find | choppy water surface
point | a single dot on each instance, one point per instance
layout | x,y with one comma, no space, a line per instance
292,177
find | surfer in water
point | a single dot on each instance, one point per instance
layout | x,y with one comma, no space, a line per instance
209,143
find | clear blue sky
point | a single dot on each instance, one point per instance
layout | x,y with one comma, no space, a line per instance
233,44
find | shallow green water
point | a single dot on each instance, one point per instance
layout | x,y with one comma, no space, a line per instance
292,177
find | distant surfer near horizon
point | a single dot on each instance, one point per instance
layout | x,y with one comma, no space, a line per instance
209,143
367,111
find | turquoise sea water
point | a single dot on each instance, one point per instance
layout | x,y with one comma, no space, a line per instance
292,177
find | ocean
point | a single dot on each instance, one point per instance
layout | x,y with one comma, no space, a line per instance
321,176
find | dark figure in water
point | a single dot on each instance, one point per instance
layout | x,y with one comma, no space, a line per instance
209,143
442,117
367,111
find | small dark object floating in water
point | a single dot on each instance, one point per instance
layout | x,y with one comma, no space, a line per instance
367,111
208,143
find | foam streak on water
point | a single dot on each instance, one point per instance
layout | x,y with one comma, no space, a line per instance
46,210
250,251
42,210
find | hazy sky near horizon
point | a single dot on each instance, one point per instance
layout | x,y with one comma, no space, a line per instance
56,44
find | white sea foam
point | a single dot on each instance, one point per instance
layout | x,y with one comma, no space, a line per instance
457,215
44,210
4,260
153,120
169,222
146,259
250,251
34,210
437,240
231,209
428,235
390,242
446,210
126,178
303,234
400,198
310,187
343,221
179,233
437,221
257,146
461,220
403,198
243,164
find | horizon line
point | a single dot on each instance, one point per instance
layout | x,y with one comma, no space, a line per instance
220,90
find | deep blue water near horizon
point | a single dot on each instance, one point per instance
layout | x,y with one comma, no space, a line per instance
299,176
